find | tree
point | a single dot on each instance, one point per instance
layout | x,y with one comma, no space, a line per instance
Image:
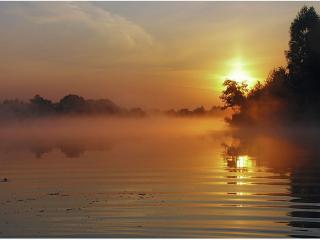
199,111
291,93
277,83
41,105
38,100
101,106
256,92
72,103
234,94
303,55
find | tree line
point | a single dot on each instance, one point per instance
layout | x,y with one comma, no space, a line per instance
290,93
74,105
69,105
197,112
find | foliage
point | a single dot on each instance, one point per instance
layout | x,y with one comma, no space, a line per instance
234,94
41,105
69,105
72,103
288,94
197,112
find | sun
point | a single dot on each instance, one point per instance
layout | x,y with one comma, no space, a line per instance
239,73
239,76
238,69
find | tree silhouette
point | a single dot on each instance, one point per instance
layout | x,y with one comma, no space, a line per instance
291,93
234,94
72,103
41,105
303,56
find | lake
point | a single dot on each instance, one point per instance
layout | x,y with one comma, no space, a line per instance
157,177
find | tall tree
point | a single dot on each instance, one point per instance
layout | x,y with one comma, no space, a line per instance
304,54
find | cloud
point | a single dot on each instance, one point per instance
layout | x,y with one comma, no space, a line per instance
73,33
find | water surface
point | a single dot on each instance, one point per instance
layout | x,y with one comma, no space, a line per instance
156,178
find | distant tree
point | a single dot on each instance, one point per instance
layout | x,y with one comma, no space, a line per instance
101,106
199,111
184,112
72,104
41,105
171,112
137,112
14,109
37,99
15,101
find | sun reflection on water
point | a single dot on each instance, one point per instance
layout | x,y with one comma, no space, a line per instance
241,166
244,162
241,163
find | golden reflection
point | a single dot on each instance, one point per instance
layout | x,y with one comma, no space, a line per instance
240,163
244,162
240,180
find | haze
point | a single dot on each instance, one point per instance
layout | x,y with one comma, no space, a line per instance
148,54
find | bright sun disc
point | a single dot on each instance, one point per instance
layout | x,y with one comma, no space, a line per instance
239,73
239,76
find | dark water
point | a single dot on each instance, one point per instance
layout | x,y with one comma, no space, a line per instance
166,178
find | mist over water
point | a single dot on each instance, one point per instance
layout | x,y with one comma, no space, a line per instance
97,132
157,177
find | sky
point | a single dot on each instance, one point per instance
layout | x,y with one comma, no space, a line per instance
148,54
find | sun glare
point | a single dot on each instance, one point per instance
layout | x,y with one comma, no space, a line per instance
239,73
244,162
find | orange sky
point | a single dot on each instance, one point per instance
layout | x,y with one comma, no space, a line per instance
148,54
